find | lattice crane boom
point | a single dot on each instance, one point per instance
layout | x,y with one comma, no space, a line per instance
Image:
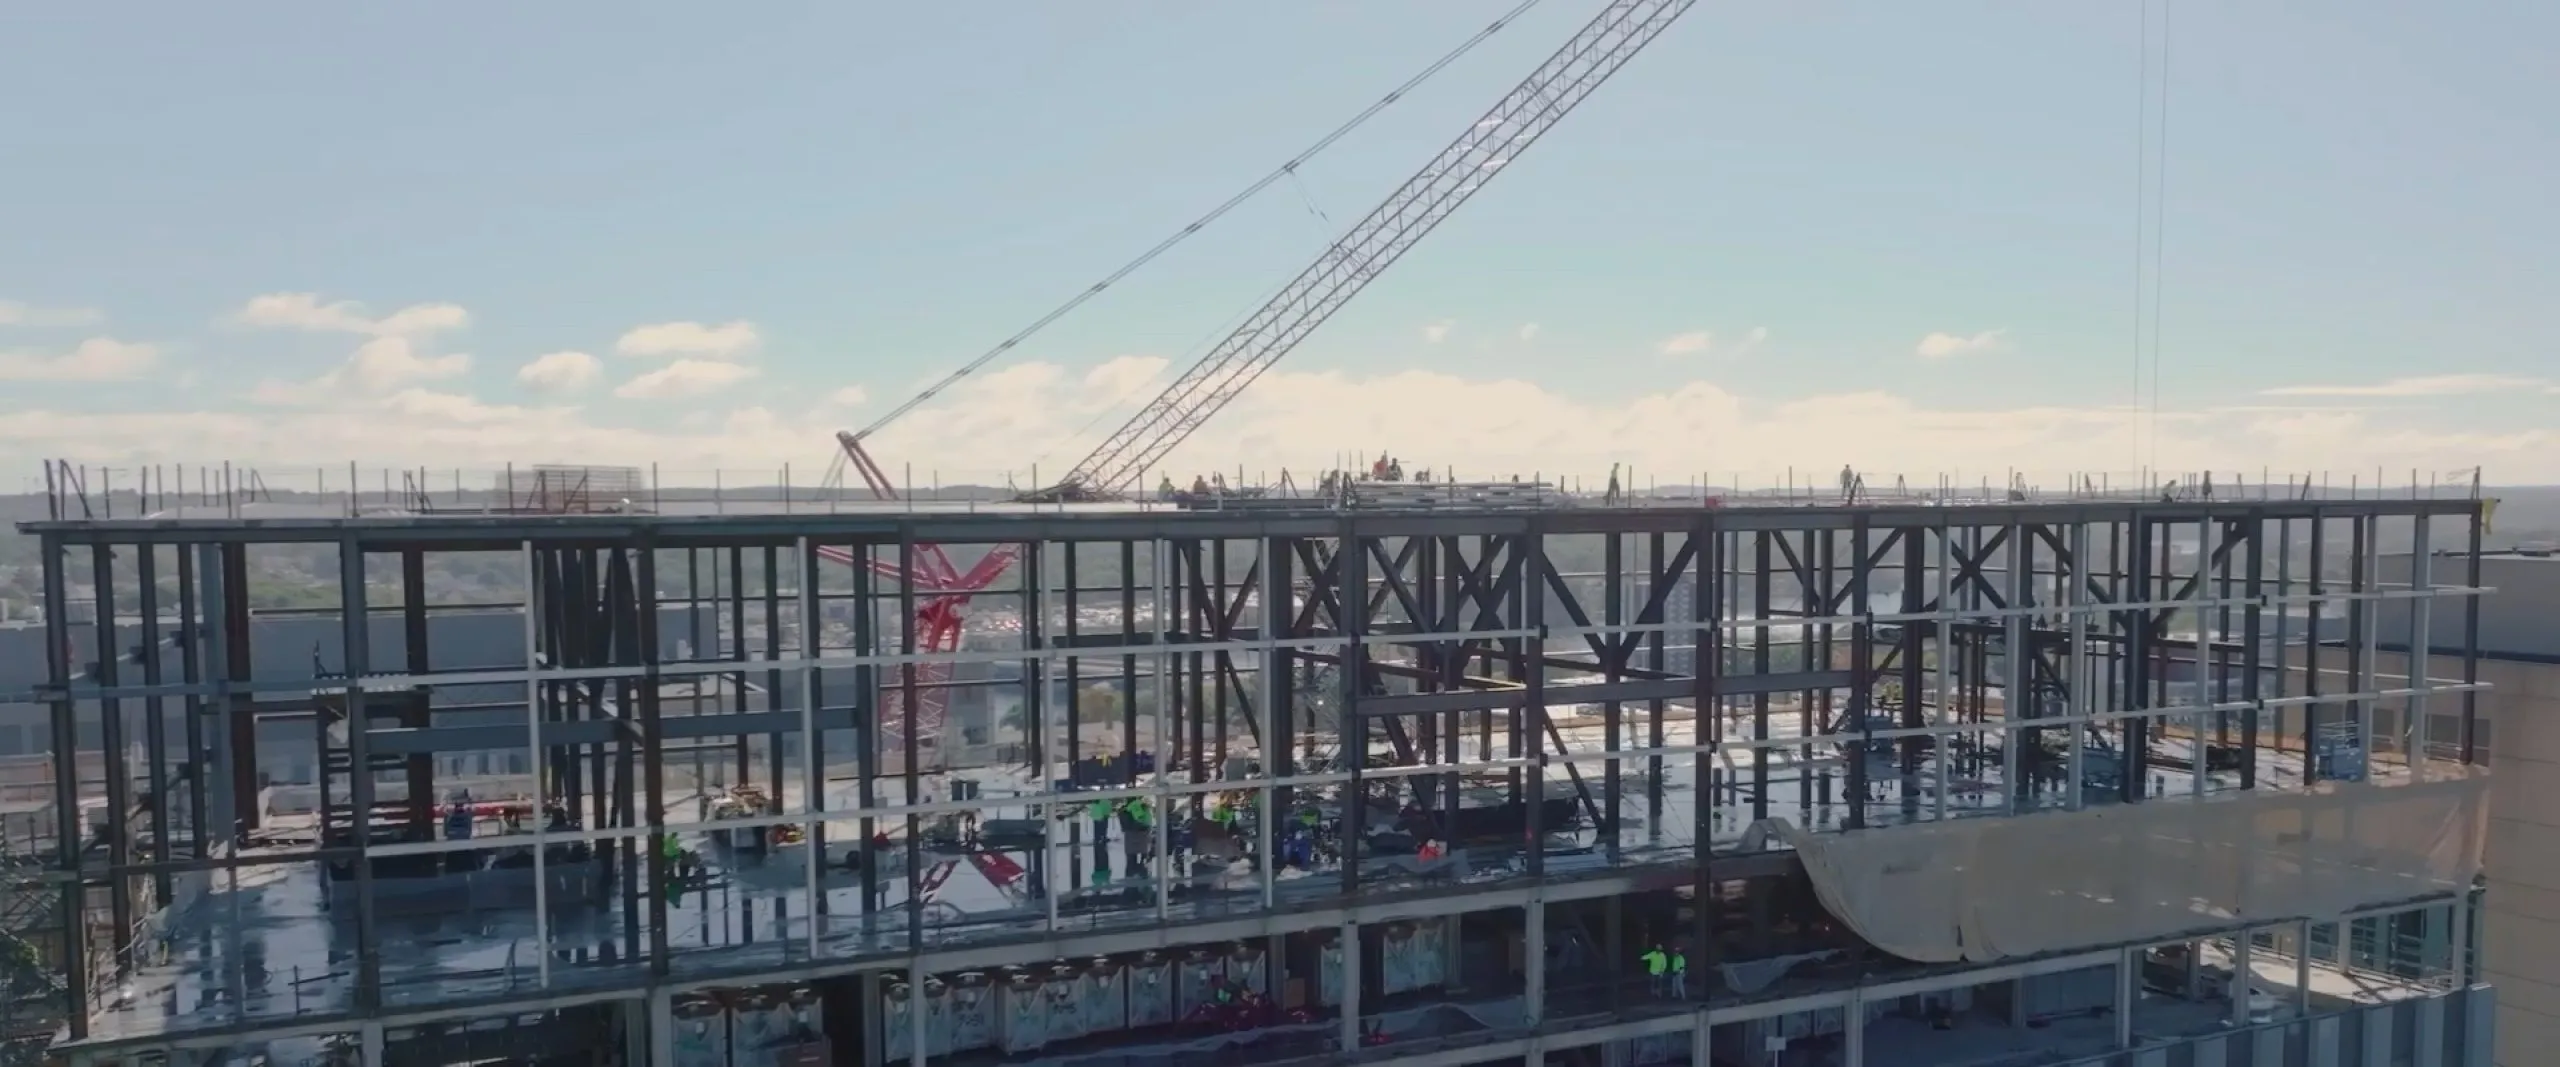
1598,50
1526,113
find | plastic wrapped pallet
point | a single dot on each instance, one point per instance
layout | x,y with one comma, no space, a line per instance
1059,987
773,1029
1103,995
1151,992
973,1014
1432,938
898,1021
1197,980
1396,960
702,1032
1244,968
1023,1003
751,1029
937,1020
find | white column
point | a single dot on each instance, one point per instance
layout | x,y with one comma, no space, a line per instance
2460,946
1853,1029
1534,948
662,1029
2242,978
917,1046
2128,987
1350,1032
2302,970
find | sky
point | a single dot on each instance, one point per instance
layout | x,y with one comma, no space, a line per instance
1915,238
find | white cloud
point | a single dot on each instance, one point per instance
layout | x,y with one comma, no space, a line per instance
728,340
16,313
1529,331
2431,385
1944,345
1001,422
685,377
1757,335
377,367
304,311
459,409
560,372
1438,331
1686,344
98,359
385,362
851,396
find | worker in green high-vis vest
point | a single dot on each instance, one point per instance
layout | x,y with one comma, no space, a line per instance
1141,835
1657,966
1100,812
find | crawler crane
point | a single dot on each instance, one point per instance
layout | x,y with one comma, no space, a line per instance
1453,176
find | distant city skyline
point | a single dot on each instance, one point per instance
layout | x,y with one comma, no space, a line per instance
1902,239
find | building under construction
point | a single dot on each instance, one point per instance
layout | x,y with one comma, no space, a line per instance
1415,772
2085,781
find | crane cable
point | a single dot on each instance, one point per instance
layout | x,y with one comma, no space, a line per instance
1285,170
2159,230
2150,230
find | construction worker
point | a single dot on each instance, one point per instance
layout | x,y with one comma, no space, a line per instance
1139,836
1657,965
1679,974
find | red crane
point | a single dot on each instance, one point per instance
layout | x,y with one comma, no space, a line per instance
942,589
1487,148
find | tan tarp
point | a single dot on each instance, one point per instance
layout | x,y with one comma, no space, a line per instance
1983,889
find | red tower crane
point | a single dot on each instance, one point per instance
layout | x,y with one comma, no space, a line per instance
1599,49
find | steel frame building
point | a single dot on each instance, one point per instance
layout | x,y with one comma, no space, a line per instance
1640,689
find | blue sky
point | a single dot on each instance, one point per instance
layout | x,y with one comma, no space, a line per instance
2356,194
